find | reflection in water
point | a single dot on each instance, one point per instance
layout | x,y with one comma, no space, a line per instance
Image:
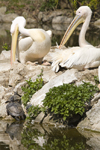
50,138
3,146
14,130
23,136
92,35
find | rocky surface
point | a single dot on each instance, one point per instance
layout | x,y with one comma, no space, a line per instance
12,78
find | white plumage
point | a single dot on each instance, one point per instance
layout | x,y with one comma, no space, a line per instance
85,56
33,44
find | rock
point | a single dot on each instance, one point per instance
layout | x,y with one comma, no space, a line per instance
67,77
3,113
61,19
93,138
2,92
18,88
97,23
4,78
3,10
59,27
49,120
31,20
5,55
8,18
47,17
92,121
39,118
17,73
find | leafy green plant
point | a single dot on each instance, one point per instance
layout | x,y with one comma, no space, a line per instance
33,111
69,99
31,87
96,79
5,47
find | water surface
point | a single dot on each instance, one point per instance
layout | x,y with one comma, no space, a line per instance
23,136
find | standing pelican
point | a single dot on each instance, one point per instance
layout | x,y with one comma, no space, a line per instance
85,56
33,44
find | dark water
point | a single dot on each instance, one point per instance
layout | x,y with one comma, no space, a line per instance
92,35
35,137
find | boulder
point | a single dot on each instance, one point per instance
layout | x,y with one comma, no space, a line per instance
3,10
9,17
92,120
61,20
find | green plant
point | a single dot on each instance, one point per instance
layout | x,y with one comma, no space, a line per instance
31,87
69,99
50,4
96,79
33,111
91,3
5,47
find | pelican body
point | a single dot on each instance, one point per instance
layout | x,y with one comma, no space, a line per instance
84,56
32,45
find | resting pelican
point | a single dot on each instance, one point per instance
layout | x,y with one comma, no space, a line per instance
85,56
33,44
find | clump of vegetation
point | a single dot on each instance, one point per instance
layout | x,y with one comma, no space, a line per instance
64,101
69,99
49,5
96,79
33,111
5,47
91,3
31,87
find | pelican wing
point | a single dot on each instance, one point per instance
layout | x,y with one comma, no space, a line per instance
25,43
60,56
82,57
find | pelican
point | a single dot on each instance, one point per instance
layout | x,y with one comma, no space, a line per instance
32,45
84,56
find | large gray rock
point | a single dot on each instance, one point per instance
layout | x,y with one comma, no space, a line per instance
92,121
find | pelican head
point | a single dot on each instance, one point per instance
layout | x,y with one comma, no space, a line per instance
17,25
83,13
